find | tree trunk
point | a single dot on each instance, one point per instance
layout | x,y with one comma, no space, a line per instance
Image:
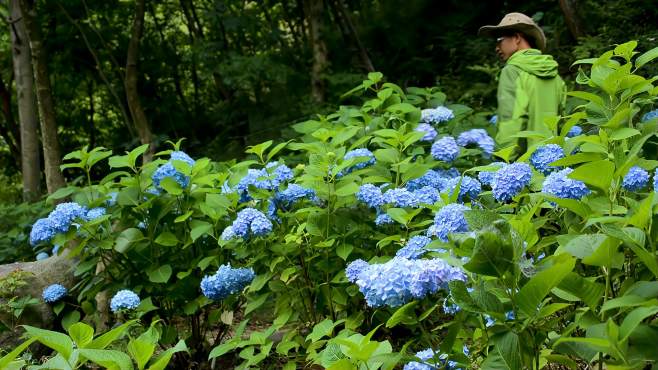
9,131
51,152
575,25
363,53
132,95
315,17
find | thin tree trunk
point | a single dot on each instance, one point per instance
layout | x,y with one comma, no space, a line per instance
363,53
132,95
27,106
51,151
315,16
9,131
575,25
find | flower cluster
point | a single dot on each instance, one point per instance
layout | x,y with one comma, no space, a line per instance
371,195
383,219
249,222
431,361
400,197
445,149
400,280
364,157
427,195
575,131
434,178
58,221
560,185
293,194
355,268
168,170
510,180
486,177
449,219
53,293
650,115
478,137
468,186
95,213
269,178
430,132
226,281
415,247
436,115
544,155
636,179
124,300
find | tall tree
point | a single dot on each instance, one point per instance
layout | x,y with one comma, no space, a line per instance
27,104
132,95
345,19
572,18
315,16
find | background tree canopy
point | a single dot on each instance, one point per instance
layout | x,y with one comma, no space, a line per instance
231,73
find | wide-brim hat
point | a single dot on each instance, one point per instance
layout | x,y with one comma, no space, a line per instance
518,22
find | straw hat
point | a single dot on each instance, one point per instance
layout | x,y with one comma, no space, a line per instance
517,22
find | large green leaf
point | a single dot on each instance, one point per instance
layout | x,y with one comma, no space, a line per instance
81,333
52,339
634,318
533,292
646,57
597,174
506,354
161,274
107,338
493,254
9,357
403,315
163,359
586,290
107,358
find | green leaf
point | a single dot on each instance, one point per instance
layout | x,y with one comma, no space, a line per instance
110,359
141,350
344,250
586,290
344,189
163,360
323,329
184,216
587,96
200,228
623,133
52,339
112,335
256,303
598,174
81,333
646,57
159,275
403,315
9,357
633,319
577,158
167,239
127,237
259,149
493,254
171,186
533,292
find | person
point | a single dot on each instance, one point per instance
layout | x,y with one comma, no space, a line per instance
529,87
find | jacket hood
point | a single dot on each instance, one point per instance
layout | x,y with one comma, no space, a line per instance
534,62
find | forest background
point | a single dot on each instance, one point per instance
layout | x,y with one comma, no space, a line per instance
227,74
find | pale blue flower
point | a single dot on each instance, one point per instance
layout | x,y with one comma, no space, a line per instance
383,219
371,195
560,185
354,269
415,247
249,222
430,132
436,115
575,131
449,219
54,293
650,115
478,137
445,149
510,180
42,231
427,195
544,155
364,157
486,177
635,179
124,300
95,213
468,187
226,281
400,198
434,178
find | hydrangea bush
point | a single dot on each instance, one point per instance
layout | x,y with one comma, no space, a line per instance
356,249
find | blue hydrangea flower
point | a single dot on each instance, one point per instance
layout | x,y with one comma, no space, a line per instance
636,179
655,181
510,180
400,198
560,185
445,149
281,173
354,269
64,214
226,281
650,115
431,361
488,321
42,231
42,256
371,195
544,155
112,200
249,222
427,195
54,293
509,315
469,187
182,156
168,170
95,213
450,308
434,178
430,132
493,120
269,178
383,219
400,280
293,194
479,137
124,300
486,177
436,115
449,219
575,131
415,247
365,157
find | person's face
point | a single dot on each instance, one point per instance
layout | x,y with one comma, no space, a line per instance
506,46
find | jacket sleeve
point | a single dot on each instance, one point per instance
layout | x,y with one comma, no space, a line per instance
508,123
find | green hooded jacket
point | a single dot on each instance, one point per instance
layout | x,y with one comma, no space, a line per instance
529,90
